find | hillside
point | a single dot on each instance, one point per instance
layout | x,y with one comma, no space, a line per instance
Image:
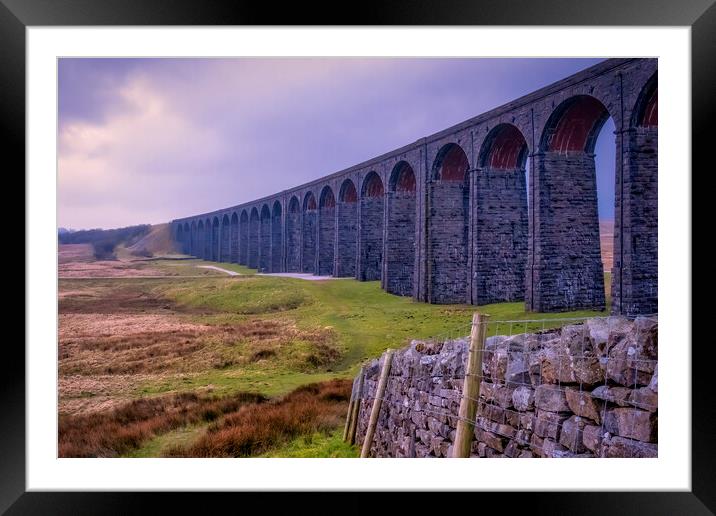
158,241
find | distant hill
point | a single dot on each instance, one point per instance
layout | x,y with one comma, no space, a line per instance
156,242
606,235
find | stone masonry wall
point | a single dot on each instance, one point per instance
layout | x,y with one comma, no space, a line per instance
309,241
293,241
225,254
326,240
207,242
244,243
500,227
347,239
400,243
253,257
265,244
234,232
585,390
567,273
371,245
276,241
215,243
476,264
639,270
448,242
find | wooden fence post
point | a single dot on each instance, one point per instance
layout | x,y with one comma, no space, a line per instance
349,415
356,408
377,403
470,387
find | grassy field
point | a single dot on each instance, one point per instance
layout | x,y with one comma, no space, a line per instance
132,338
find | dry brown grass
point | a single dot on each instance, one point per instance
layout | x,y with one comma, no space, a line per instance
132,344
117,338
117,344
80,394
256,428
75,253
115,269
110,299
120,430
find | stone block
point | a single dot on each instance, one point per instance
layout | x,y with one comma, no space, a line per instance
523,398
571,434
583,404
494,441
549,424
633,423
644,398
551,398
621,447
592,437
618,395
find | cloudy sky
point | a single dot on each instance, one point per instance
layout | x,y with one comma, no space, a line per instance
149,140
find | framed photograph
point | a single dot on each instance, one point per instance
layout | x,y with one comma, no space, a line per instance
267,248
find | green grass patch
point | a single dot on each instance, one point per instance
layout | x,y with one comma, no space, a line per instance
245,296
316,445
157,445
365,319
269,381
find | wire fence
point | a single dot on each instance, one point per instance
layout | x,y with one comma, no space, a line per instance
544,385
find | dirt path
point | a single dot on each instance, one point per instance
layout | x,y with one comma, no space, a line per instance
298,275
230,273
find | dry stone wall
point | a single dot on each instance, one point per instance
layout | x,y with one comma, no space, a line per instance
583,390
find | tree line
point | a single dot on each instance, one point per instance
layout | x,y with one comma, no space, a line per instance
104,241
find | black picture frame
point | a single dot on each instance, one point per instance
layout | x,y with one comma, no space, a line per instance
17,15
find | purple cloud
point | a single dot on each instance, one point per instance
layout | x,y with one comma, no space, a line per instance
148,140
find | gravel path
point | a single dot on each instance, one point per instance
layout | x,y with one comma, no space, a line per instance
230,273
299,275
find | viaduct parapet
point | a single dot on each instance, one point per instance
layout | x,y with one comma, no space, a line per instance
450,218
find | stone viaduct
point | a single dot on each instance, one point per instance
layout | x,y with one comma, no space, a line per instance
451,219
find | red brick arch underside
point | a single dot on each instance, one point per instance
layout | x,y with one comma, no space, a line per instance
505,148
574,125
452,164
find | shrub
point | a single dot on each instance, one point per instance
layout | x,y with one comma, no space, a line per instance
113,433
143,252
256,428
104,250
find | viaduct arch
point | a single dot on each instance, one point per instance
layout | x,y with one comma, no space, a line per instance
452,217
